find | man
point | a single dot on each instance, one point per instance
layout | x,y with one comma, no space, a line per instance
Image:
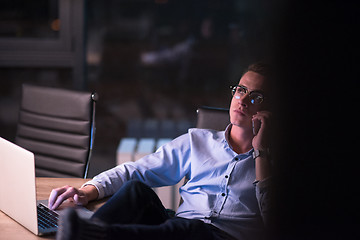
226,196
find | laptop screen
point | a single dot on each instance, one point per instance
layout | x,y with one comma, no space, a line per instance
17,185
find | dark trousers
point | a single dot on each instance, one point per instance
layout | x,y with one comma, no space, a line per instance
136,212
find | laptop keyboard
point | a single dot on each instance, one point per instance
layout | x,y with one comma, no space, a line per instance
46,217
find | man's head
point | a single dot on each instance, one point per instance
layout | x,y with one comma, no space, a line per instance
249,96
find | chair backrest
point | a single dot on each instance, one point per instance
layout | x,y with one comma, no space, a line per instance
58,126
212,118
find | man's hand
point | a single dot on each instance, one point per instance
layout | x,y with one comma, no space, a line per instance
261,139
80,196
261,142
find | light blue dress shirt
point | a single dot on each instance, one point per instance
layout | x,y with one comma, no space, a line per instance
220,190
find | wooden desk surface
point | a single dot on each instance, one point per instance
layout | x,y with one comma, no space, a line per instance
11,230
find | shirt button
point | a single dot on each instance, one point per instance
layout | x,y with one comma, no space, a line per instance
223,194
236,159
226,176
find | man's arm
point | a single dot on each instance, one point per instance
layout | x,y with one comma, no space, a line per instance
165,167
81,196
263,195
263,166
260,144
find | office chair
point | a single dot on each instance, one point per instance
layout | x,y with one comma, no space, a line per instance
58,126
212,118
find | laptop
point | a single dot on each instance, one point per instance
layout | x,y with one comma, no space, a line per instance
18,191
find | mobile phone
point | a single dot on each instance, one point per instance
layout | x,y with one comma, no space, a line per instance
256,124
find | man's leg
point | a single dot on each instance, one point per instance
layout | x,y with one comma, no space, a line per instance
134,212
173,228
134,203
71,227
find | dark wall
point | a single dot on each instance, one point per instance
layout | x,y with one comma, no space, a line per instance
317,99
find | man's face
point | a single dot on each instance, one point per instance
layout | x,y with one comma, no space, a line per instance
241,109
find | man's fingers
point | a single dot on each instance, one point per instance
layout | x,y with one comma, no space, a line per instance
59,195
70,192
80,199
54,195
262,114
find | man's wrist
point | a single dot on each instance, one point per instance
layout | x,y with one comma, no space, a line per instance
262,164
90,191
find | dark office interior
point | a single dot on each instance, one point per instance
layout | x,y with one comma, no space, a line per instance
159,60
145,59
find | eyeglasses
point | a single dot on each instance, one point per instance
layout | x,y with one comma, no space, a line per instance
238,91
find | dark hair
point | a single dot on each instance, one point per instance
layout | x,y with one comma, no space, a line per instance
265,70
260,68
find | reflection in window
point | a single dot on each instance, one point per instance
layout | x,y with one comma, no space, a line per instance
29,19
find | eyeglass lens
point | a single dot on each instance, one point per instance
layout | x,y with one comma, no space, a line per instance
255,97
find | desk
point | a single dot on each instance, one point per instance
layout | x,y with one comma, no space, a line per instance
11,230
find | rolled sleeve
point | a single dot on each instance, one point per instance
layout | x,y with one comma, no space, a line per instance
263,195
167,166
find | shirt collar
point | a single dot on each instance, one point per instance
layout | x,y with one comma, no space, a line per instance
227,133
227,136
227,142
